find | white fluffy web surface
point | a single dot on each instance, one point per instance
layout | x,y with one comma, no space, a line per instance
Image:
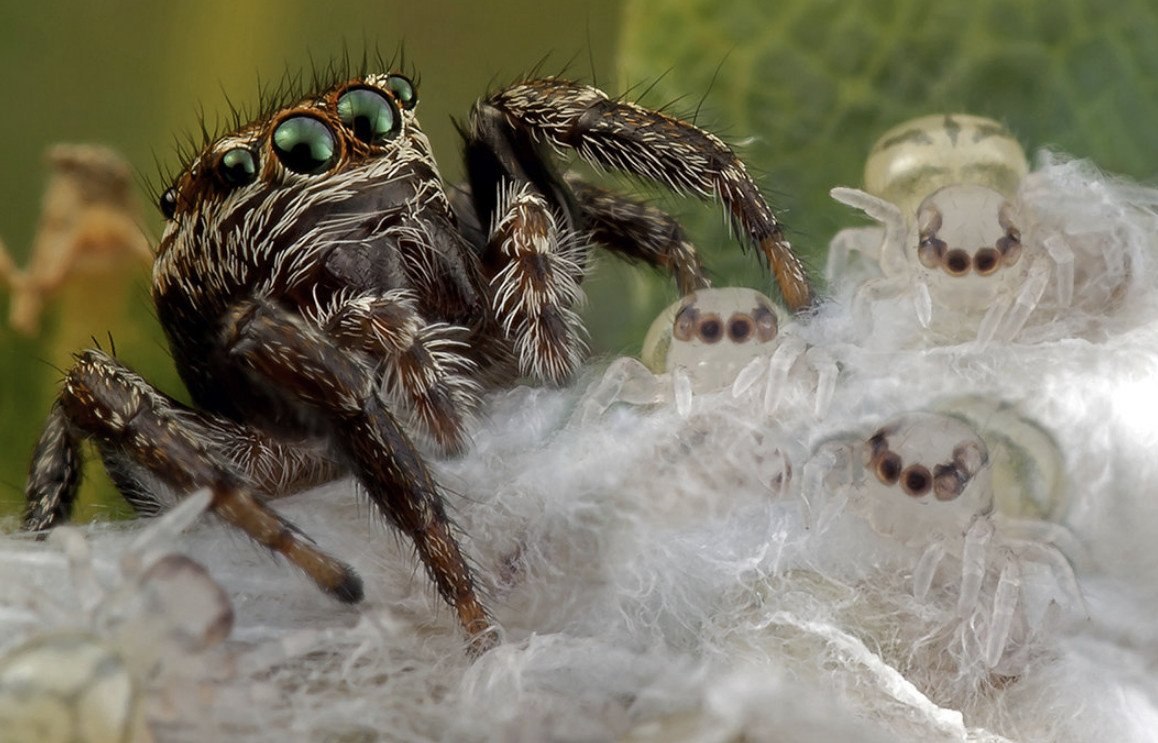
658,576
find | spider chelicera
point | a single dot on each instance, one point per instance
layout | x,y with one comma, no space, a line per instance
330,304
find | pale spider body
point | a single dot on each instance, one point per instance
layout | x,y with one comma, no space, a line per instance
715,339
957,243
93,676
331,304
925,480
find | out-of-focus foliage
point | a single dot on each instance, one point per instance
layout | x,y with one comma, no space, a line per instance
806,86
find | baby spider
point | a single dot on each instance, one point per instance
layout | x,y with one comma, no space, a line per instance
924,480
330,304
957,238
144,629
713,339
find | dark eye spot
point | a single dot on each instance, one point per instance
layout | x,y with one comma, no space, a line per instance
684,326
930,252
916,480
986,261
948,482
1010,247
969,458
370,115
739,328
168,203
404,91
957,262
766,324
304,144
710,330
237,167
888,467
877,445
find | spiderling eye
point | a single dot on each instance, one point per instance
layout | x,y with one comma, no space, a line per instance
238,167
168,203
403,90
739,327
370,115
710,329
304,144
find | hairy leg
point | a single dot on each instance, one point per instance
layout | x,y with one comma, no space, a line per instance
300,360
422,367
139,426
506,129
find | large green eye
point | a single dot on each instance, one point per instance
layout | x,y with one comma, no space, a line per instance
304,144
370,115
238,167
403,90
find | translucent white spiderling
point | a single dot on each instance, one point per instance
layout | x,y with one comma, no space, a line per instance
1025,461
69,687
713,338
87,678
961,238
926,481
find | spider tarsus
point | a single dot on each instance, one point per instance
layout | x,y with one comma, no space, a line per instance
349,590
482,640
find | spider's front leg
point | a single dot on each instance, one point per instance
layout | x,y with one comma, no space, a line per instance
423,369
303,363
534,271
144,431
639,231
506,128
535,262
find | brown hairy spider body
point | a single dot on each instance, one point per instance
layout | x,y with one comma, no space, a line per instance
327,304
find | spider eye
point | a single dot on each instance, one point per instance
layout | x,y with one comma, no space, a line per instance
931,251
710,329
766,323
888,467
304,144
684,325
370,115
238,167
739,328
916,480
958,262
403,90
168,203
986,261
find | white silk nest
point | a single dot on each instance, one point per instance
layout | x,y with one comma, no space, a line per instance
658,573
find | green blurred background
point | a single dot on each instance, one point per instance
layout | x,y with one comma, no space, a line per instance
802,87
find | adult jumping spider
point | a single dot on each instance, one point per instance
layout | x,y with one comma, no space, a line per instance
327,299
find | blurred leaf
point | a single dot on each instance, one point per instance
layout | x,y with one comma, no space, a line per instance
806,87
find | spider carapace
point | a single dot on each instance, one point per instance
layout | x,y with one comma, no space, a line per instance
335,309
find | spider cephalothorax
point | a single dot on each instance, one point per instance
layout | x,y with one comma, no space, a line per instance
327,303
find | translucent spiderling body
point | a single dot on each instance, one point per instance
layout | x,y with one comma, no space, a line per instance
716,338
925,481
965,240
143,630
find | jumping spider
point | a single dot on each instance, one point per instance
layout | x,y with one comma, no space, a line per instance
926,480
945,189
327,300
